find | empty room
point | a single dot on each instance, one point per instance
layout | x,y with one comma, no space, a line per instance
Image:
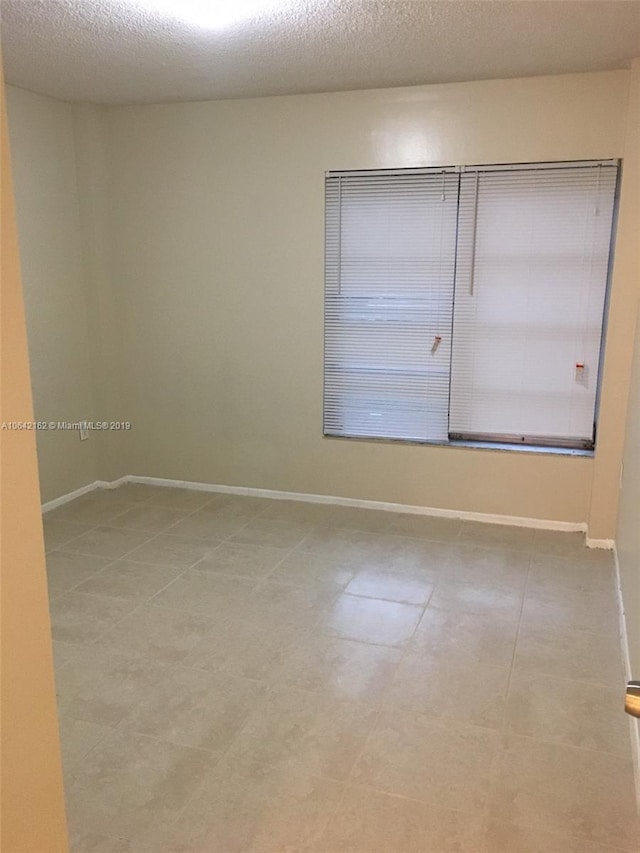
320,426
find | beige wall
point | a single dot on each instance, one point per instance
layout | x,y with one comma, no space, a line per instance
32,803
623,310
106,304
47,199
628,536
217,228
201,228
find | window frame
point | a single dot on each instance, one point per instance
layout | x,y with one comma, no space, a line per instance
496,442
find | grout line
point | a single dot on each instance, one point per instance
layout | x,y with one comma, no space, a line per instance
503,728
564,745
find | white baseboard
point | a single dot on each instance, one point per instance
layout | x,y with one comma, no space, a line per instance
485,518
606,544
113,484
634,724
83,490
275,494
70,496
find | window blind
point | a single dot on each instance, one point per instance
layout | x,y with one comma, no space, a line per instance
389,278
531,277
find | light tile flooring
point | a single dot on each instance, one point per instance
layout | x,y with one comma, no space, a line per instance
238,675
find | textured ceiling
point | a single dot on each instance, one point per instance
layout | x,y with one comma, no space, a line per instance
122,51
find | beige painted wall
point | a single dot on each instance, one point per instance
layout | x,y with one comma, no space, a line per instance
200,226
106,304
32,803
628,536
623,310
47,199
216,216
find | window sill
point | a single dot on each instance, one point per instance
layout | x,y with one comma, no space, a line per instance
521,448
499,447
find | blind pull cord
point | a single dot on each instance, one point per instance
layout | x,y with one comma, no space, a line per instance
472,270
340,236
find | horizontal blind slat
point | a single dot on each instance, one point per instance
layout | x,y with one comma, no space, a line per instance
539,261
389,273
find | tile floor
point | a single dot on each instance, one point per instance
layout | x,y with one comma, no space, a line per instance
238,675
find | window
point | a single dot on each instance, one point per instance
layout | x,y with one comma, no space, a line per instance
467,303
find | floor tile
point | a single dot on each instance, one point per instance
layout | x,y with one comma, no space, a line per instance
369,822
562,544
195,708
428,556
287,677
397,551
66,570
500,535
300,568
131,784
77,738
407,588
180,499
341,668
584,572
107,683
89,510
576,655
439,763
424,526
266,531
109,497
80,618
466,638
249,561
507,838
255,648
164,635
236,506
575,609
111,542
69,671
499,568
65,653
474,694
92,842
303,606
314,513
205,592
207,526
479,598
359,518
566,790
179,551
59,533
125,579
244,808
318,735
149,517
369,620
569,712
341,543
138,492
